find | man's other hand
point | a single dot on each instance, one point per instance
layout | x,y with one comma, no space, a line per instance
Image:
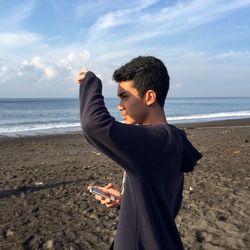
81,76
110,189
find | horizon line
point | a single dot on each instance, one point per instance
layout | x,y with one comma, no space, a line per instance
170,97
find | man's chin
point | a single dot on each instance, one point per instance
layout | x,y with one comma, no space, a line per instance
130,122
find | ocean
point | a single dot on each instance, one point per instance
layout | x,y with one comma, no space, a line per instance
41,116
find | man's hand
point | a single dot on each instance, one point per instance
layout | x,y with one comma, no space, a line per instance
110,189
81,76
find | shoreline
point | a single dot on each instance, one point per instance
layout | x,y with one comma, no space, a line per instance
206,124
220,123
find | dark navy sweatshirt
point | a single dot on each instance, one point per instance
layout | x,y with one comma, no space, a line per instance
154,157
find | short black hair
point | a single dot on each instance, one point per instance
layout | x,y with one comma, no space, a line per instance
147,72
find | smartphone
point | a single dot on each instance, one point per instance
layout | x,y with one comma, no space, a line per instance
96,190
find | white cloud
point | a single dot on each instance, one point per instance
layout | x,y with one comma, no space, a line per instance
192,56
48,69
210,80
4,68
24,62
74,61
85,55
71,56
45,70
36,61
182,16
232,55
176,85
3,73
75,57
108,21
9,41
121,16
50,73
194,12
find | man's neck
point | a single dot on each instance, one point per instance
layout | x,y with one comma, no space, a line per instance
156,116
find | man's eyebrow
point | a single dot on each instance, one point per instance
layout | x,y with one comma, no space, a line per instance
121,93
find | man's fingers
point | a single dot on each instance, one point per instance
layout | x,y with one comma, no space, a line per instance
110,185
79,79
81,75
110,205
113,204
105,201
98,197
83,71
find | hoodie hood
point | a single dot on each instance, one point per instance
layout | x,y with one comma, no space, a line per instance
190,155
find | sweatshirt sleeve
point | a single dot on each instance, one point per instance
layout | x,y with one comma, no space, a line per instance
121,142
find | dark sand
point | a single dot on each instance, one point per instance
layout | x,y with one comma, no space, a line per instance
44,203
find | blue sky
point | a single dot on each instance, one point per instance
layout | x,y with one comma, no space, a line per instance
205,44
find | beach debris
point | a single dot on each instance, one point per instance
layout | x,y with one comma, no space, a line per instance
237,152
96,153
38,183
49,244
188,191
93,216
200,236
9,233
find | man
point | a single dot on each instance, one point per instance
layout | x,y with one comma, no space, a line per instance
153,153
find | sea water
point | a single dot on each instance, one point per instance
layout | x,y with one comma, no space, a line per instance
22,116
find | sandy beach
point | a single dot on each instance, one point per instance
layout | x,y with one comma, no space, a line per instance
45,203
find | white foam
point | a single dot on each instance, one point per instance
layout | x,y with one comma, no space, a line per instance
34,127
213,116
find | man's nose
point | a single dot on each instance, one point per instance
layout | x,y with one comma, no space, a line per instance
120,107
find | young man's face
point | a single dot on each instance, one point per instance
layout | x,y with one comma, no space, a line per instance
132,107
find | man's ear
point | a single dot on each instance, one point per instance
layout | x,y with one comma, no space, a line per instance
150,97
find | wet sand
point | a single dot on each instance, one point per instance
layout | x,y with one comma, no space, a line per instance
45,203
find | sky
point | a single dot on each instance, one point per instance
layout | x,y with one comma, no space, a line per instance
205,44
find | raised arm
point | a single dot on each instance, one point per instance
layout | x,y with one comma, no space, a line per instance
121,142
